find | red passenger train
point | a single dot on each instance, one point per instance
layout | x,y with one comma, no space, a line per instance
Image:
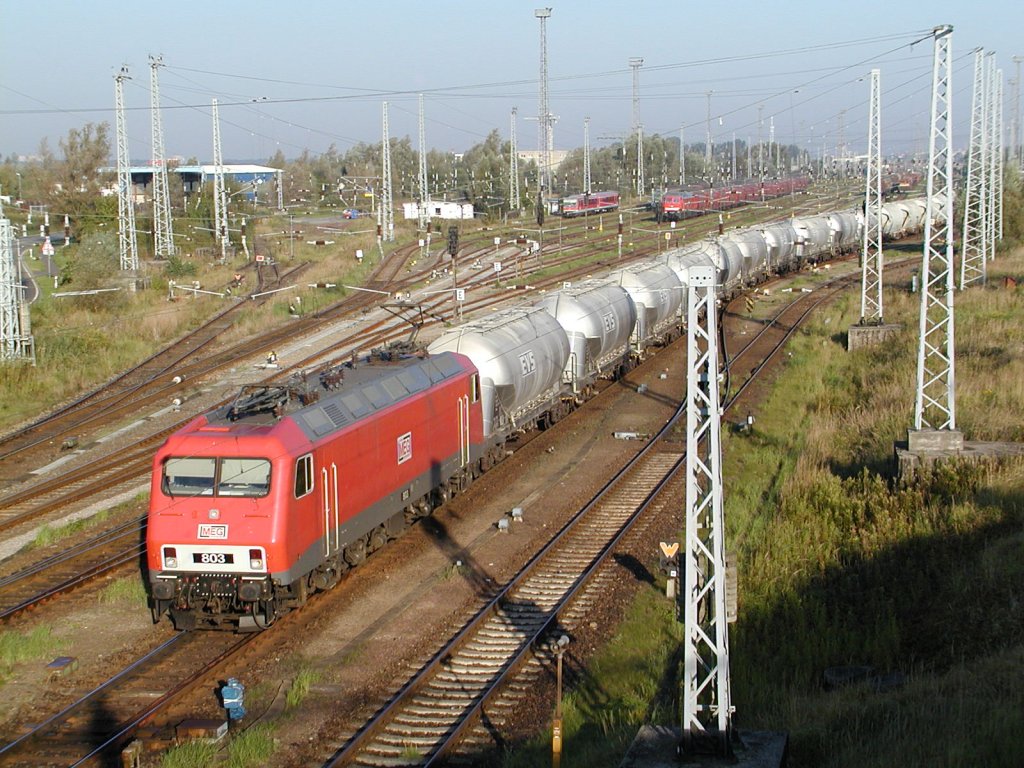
259,502
595,202
676,205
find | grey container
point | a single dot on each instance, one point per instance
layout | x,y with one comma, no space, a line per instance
598,318
520,354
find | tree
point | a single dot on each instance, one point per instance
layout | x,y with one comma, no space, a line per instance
77,179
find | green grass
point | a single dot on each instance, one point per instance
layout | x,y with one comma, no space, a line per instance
299,689
52,534
841,564
190,754
38,644
129,590
629,682
251,748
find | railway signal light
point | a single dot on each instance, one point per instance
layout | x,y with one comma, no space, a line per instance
453,240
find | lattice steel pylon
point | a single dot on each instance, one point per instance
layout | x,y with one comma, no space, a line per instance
682,155
127,242
998,211
424,193
973,240
935,403
871,251
1017,153
586,156
514,201
163,231
387,215
220,194
640,184
706,690
991,153
635,63
15,339
544,112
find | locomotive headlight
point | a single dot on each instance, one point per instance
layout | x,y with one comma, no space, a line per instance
170,557
255,559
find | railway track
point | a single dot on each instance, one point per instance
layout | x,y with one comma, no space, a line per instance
466,680
102,720
477,662
114,550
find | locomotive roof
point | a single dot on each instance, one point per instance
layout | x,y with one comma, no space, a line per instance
322,404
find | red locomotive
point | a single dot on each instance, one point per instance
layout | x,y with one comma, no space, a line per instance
595,202
259,502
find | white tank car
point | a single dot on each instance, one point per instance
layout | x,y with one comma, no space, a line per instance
598,318
656,293
679,260
813,237
520,354
781,239
845,231
732,257
755,253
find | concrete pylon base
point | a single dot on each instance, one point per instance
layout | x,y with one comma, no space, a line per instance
927,447
859,336
656,746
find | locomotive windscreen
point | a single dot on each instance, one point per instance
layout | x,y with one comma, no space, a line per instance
208,476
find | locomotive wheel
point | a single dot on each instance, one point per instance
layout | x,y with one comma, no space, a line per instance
377,539
355,552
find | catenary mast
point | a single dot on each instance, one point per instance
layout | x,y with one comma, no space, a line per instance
544,113
514,203
220,195
163,231
387,211
127,241
424,192
871,252
706,689
935,402
973,238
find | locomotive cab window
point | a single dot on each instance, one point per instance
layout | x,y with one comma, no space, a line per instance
303,475
208,476
243,477
474,387
189,476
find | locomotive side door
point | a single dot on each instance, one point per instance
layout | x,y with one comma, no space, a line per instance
463,430
329,503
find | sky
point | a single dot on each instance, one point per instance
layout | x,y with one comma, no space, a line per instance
314,73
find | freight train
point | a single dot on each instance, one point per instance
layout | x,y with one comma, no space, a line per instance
676,205
259,503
